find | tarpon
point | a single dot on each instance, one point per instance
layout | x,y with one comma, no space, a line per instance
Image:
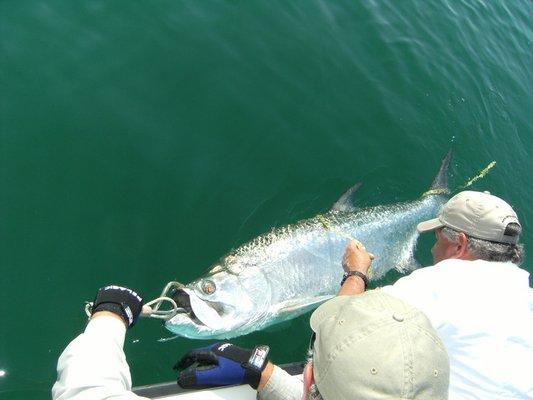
292,269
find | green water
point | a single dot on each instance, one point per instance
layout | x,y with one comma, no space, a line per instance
140,141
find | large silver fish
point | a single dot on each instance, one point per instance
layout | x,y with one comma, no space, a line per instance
292,269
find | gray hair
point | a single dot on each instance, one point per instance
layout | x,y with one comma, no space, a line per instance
490,251
314,394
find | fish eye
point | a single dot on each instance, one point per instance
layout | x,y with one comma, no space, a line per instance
208,287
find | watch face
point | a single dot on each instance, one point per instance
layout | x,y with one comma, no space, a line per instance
258,357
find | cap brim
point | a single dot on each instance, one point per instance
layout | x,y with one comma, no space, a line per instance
429,225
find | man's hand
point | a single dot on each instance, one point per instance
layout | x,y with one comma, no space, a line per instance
356,258
120,301
222,364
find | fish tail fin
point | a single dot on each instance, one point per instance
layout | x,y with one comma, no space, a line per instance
440,183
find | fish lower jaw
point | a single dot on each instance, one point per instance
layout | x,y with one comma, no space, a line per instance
201,332
184,326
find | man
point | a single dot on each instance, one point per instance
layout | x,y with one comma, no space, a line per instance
476,297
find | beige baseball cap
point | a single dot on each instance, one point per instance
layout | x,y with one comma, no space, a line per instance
478,214
374,346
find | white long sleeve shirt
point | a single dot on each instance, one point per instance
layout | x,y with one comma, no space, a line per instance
483,312
93,366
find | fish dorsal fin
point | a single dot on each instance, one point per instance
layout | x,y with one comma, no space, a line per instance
345,202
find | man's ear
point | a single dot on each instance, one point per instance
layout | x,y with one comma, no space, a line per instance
308,379
462,247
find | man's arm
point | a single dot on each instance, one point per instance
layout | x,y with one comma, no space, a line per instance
276,384
93,366
265,376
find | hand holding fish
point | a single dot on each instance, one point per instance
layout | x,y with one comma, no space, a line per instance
356,263
356,258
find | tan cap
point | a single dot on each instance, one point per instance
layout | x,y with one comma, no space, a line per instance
478,214
374,346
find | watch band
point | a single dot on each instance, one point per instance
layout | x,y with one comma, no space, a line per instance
355,273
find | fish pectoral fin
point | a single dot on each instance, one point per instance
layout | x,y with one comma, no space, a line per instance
345,204
301,305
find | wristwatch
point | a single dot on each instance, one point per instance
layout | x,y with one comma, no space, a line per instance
355,273
256,364
258,359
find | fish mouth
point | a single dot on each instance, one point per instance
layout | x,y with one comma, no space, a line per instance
201,312
182,300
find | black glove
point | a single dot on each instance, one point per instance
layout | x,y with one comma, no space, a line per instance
119,300
222,364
